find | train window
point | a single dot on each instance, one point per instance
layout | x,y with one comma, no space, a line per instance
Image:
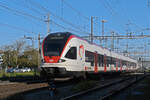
72,53
113,61
100,60
89,57
124,63
108,61
119,63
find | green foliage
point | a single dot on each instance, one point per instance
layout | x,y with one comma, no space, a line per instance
18,74
18,54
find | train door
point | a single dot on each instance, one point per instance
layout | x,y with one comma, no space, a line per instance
81,57
117,65
105,63
95,62
120,65
127,66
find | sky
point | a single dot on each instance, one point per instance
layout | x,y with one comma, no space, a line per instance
19,18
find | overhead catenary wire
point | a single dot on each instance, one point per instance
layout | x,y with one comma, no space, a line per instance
27,18
58,17
107,3
63,26
16,27
75,10
31,16
107,7
24,16
28,6
53,22
19,12
124,13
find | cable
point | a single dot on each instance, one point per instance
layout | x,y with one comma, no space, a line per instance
58,17
29,7
25,14
19,12
105,5
15,27
109,6
63,26
26,18
75,10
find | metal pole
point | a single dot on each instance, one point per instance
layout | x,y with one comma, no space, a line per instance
39,50
91,29
112,43
103,21
48,23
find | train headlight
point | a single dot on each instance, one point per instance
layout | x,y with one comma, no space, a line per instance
61,60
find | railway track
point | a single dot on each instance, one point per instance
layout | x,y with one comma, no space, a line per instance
8,89
14,88
105,91
65,89
39,91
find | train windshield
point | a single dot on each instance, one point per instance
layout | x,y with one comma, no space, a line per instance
54,44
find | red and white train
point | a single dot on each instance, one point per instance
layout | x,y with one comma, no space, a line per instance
65,54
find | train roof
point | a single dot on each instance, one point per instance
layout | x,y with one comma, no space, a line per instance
60,34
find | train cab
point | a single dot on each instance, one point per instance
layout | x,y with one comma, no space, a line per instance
59,53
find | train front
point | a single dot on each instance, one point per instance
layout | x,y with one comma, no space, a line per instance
52,49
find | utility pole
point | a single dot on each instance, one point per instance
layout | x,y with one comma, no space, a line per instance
127,36
91,29
145,49
39,50
112,42
103,21
48,23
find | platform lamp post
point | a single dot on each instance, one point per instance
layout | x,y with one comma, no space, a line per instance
103,21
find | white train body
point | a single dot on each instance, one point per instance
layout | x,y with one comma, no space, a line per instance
67,54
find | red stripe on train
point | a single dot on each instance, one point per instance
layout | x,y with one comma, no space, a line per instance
116,65
95,59
105,66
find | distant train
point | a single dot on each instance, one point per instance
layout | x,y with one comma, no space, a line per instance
65,54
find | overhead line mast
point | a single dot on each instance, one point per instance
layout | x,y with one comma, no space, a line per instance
58,17
48,23
91,29
17,12
103,21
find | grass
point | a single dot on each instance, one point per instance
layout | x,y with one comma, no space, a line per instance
18,74
83,85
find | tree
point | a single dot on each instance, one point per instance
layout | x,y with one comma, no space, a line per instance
18,49
32,57
7,55
18,54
